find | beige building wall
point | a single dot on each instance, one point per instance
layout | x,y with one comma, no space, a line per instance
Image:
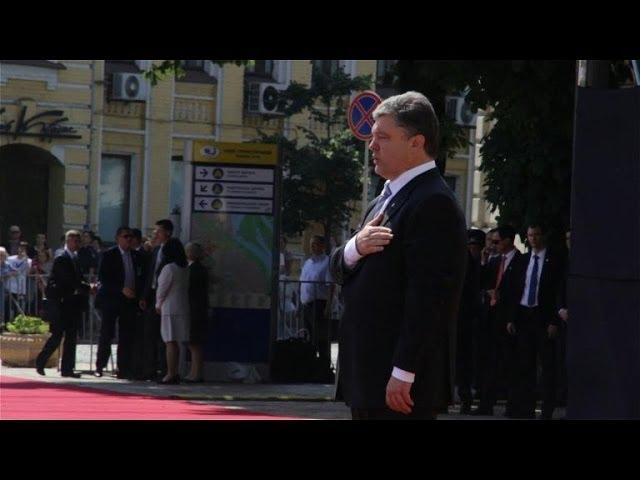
153,132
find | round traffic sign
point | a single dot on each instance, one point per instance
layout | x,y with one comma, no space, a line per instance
360,114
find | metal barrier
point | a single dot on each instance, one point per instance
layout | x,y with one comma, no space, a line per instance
295,319
299,316
25,294
291,310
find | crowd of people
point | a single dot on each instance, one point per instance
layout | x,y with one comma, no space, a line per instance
512,321
152,292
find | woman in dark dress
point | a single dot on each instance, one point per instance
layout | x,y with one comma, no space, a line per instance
199,304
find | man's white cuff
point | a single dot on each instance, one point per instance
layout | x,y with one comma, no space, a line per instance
403,375
351,255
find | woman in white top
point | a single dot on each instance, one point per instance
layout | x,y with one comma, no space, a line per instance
172,303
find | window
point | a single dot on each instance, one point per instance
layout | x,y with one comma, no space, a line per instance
176,190
263,68
114,194
323,68
385,73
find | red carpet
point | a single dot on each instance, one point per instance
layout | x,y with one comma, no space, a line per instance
33,400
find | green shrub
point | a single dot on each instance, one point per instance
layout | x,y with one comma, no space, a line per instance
25,324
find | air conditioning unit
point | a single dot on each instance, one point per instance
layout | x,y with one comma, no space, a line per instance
131,87
457,109
263,98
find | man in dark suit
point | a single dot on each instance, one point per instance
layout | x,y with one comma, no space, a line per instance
496,345
153,353
533,321
120,279
67,296
139,330
402,275
470,307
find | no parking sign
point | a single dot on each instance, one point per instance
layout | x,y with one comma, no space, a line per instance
360,114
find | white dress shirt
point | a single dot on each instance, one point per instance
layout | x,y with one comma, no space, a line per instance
507,259
524,301
315,269
352,257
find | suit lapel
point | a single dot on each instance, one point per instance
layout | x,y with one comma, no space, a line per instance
403,195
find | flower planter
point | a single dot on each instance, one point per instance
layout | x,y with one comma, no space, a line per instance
21,350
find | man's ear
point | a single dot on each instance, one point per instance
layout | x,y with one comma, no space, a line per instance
418,141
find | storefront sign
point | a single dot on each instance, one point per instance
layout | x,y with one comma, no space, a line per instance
45,125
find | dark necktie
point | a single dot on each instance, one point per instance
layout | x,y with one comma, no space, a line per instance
382,198
533,285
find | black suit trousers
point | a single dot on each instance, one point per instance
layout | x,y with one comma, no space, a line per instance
124,315
150,348
532,341
498,359
64,319
318,326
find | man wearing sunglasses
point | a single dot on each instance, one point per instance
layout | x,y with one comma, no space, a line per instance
120,280
496,347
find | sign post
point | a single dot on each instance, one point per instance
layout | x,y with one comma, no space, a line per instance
360,119
234,206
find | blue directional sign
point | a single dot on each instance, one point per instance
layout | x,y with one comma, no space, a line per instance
360,114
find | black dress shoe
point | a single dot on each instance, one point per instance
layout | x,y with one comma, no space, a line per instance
71,375
198,380
40,370
97,373
172,381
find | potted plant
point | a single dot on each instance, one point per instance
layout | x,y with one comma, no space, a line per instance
23,341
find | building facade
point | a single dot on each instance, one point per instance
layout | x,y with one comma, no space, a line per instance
90,144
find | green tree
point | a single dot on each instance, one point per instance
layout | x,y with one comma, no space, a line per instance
322,178
173,67
527,156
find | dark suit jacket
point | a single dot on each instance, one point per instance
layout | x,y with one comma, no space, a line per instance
400,305
148,293
65,284
548,289
504,307
198,301
111,278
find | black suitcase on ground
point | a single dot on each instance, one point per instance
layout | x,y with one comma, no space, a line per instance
294,361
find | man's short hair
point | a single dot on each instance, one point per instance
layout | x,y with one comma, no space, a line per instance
137,234
166,224
476,237
72,233
14,228
536,225
121,229
413,112
507,231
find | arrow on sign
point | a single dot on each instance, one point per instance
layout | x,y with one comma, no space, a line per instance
202,203
204,172
203,188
